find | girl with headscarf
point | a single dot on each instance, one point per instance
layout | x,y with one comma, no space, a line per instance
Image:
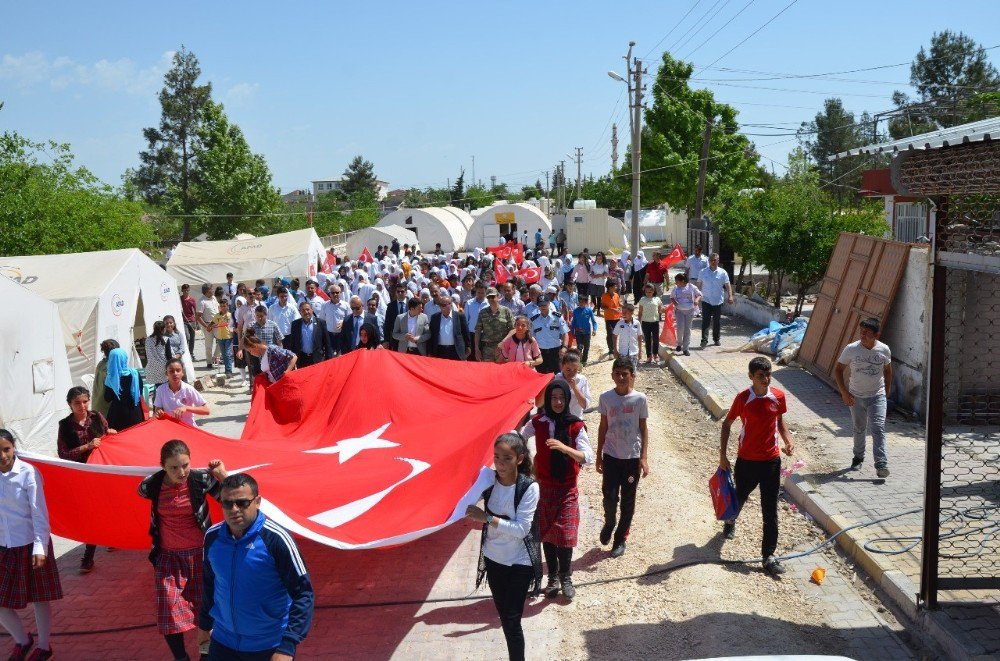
123,391
562,447
638,274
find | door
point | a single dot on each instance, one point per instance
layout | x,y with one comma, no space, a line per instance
861,281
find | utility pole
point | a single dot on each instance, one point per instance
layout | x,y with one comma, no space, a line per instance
473,169
614,146
579,181
706,139
636,88
493,182
562,186
547,193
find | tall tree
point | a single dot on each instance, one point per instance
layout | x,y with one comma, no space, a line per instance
167,173
947,77
834,130
458,190
359,175
233,185
48,205
672,140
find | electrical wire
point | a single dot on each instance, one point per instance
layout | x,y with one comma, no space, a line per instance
676,25
691,35
721,28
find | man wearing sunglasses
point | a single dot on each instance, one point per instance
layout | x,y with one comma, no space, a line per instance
261,605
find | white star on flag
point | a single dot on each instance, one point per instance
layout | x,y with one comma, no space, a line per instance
348,447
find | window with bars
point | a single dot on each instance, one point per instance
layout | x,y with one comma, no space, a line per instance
911,219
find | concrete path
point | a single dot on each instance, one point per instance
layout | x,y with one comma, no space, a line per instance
827,489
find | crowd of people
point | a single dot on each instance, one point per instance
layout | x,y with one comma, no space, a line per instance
435,305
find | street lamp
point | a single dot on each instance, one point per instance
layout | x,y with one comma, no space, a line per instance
614,75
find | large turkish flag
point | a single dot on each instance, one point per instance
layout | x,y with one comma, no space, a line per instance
370,449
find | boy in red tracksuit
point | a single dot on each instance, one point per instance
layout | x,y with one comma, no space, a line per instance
758,460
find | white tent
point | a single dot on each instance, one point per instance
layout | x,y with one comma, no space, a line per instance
373,237
431,225
111,294
291,254
660,225
34,368
464,216
488,225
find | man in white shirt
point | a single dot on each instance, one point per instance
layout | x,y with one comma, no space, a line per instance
476,304
314,298
715,290
869,364
695,264
208,307
333,313
283,312
229,289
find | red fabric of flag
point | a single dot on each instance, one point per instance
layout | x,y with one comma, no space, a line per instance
668,334
530,275
673,257
500,272
366,256
332,466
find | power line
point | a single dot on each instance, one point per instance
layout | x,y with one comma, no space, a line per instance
676,25
711,36
688,36
752,34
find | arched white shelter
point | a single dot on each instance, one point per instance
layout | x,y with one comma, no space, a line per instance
462,215
373,237
504,219
431,225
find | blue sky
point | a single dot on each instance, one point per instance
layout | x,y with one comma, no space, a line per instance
419,88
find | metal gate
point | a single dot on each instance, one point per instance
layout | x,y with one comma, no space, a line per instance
962,524
861,281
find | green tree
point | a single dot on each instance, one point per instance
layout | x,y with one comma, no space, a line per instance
834,130
359,175
233,185
477,197
167,173
437,196
414,198
672,139
458,190
947,77
607,192
363,210
50,206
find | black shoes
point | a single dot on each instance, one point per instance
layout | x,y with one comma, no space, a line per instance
773,566
619,550
552,587
857,461
606,532
729,530
567,586
882,471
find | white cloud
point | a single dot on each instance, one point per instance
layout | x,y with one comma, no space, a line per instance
34,69
241,92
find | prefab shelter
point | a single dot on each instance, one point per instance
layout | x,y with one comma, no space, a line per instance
660,225
463,216
110,294
373,237
506,219
430,226
33,368
289,254
594,230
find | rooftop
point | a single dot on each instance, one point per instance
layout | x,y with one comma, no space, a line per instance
981,131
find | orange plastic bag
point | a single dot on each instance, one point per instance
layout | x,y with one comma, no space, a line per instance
818,575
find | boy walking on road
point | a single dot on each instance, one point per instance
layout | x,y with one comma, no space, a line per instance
870,364
622,445
758,461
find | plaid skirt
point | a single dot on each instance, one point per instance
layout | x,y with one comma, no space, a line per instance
21,585
559,515
178,590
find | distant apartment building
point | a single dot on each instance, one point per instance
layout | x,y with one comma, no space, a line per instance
324,186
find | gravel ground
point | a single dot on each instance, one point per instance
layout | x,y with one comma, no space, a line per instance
700,611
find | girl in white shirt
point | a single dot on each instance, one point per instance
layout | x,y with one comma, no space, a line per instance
510,556
686,299
598,278
26,557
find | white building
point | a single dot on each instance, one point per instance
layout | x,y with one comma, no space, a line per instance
324,186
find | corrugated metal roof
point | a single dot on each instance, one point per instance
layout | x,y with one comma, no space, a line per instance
986,129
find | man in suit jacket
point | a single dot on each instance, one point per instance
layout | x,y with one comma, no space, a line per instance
396,308
412,330
353,323
453,341
308,339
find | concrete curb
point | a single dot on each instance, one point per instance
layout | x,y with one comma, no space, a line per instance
899,589
709,399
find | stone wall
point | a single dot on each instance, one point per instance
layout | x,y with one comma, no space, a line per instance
906,329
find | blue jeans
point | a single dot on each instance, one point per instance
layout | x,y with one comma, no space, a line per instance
226,348
869,414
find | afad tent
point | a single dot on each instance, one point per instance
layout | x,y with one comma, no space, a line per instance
34,368
507,219
431,225
373,237
111,294
289,254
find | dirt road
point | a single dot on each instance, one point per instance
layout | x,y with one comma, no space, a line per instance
700,611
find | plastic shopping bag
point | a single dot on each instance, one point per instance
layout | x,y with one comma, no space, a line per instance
723,495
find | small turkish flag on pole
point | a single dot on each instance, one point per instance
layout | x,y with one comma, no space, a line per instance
500,272
673,257
366,256
530,275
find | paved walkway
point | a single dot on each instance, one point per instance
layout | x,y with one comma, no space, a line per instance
839,497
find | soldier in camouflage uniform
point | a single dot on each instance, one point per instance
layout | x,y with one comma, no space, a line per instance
492,327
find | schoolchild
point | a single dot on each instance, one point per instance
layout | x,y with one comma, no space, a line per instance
628,336
584,326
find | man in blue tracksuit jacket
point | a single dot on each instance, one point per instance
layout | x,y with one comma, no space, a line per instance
258,601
